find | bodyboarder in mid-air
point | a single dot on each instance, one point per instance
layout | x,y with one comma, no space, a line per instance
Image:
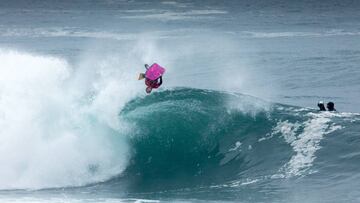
153,80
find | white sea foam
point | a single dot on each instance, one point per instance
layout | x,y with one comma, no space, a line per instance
305,143
59,126
249,105
71,32
287,130
166,15
76,200
186,15
65,32
328,33
177,4
236,147
237,183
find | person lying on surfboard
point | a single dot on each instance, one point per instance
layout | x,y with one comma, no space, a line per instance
153,77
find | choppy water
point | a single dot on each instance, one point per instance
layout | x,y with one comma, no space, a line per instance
76,125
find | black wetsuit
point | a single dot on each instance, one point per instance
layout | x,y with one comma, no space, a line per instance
331,106
153,83
321,107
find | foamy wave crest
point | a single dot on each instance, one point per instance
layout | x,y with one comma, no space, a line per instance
65,32
328,33
188,15
74,33
305,145
56,128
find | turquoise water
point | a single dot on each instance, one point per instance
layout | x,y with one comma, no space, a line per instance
235,120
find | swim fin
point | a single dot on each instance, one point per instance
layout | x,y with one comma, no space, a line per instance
141,76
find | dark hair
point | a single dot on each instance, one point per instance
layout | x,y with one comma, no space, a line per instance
321,106
330,106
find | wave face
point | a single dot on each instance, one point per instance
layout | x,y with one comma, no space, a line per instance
210,140
189,133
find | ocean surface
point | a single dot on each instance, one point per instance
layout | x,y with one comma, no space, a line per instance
234,121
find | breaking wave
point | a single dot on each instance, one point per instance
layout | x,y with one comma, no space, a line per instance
193,137
66,127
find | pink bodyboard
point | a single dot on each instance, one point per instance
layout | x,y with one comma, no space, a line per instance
154,71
